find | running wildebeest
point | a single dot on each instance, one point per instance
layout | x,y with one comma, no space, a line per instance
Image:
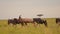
24,21
40,21
13,21
58,21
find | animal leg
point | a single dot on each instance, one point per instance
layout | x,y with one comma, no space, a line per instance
22,24
26,24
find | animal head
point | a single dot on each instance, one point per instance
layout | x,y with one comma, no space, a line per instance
20,17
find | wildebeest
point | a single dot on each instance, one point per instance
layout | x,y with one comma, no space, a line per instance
58,21
24,21
40,21
13,21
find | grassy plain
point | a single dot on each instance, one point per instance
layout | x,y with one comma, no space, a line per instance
52,28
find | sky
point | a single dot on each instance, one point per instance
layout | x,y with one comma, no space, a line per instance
29,8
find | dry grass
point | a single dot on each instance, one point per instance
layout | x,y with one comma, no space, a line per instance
53,28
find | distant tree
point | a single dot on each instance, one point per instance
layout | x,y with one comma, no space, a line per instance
39,15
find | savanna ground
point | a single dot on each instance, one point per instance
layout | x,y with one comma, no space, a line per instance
52,28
